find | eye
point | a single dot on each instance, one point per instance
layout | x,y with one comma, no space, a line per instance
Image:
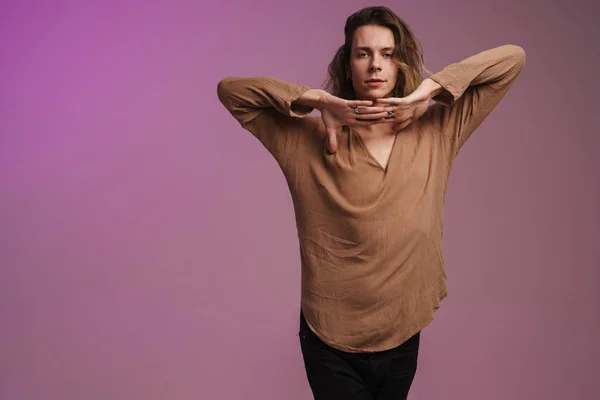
388,55
362,55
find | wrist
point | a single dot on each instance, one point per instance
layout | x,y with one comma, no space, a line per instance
324,100
314,98
431,87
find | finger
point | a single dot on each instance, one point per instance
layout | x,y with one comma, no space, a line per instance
390,100
400,116
359,103
375,110
399,122
378,115
331,142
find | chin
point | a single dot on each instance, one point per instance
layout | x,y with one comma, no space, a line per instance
374,94
369,96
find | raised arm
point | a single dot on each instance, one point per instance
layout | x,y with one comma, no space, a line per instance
266,108
274,111
472,88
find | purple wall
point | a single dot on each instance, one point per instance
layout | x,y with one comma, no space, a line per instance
147,243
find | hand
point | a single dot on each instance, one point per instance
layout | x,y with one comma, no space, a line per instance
337,112
412,107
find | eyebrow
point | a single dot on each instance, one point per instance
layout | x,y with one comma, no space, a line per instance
364,48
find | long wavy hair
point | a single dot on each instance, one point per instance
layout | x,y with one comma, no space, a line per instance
407,55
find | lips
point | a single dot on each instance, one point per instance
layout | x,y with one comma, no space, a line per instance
375,80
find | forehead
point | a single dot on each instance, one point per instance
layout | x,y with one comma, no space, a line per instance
373,36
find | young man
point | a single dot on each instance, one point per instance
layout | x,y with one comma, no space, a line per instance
368,180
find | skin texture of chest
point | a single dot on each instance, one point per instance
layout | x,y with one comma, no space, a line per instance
379,147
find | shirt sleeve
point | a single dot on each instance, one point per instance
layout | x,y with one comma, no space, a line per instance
263,106
471,89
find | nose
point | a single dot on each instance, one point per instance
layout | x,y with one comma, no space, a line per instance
375,64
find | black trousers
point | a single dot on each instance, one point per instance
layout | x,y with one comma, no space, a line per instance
336,375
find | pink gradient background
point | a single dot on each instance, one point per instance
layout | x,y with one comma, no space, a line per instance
148,246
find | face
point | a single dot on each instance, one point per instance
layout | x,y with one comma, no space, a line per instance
372,70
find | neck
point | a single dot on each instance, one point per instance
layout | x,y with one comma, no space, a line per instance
375,131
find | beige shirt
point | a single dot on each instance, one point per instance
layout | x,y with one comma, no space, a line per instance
371,237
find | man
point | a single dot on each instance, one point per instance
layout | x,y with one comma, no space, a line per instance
368,180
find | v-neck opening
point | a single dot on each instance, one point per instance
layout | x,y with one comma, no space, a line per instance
371,156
